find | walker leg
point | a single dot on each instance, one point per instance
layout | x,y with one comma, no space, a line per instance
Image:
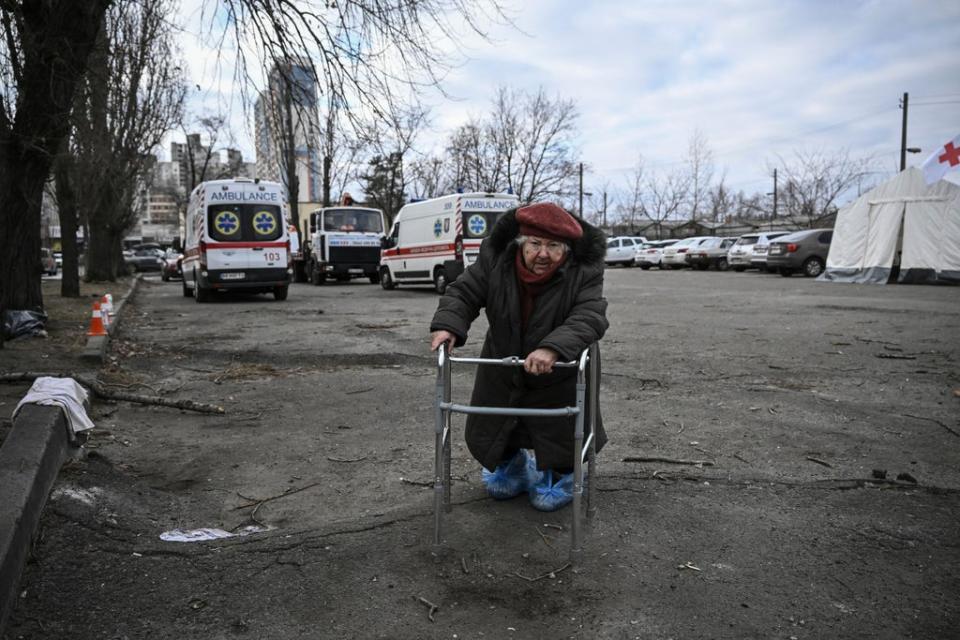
439,478
576,533
594,400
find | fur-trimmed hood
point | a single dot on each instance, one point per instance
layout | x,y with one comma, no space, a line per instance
591,248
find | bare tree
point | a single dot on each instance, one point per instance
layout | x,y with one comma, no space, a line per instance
131,96
525,145
546,155
387,182
428,177
631,206
374,55
813,182
664,198
43,52
202,159
700,169
720,201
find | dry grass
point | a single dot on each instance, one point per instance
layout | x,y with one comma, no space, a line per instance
67,318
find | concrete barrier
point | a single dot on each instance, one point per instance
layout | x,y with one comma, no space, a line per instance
30,458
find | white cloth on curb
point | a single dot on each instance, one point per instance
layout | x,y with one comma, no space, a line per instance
65,393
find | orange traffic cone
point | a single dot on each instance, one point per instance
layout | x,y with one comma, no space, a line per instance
96,322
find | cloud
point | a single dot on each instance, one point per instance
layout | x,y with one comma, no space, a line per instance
757,78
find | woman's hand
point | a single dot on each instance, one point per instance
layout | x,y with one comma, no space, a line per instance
438,338
540,361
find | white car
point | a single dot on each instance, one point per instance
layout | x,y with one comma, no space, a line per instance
746,251
675,256
623,249
650,254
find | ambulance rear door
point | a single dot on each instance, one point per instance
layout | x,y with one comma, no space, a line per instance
244,235
480,212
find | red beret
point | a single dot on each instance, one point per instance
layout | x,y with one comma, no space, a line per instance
547,220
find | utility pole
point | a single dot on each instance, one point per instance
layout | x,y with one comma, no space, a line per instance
903,132
774,194
604,209
580,211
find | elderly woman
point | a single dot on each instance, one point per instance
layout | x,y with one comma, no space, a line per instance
540,277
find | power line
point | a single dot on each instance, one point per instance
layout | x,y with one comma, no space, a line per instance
927,104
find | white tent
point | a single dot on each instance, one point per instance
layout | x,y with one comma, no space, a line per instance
867,233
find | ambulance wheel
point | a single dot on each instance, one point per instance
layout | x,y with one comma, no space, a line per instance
385,280
200,294
187,293
440,280
280,293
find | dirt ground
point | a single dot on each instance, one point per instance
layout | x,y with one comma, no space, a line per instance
802,482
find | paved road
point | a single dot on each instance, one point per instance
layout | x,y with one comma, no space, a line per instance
791,393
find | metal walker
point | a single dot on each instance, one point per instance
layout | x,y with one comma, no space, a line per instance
583,451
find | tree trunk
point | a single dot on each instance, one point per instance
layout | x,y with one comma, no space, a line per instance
102,249
57,37
67,206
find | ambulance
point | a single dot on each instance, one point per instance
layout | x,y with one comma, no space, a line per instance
237,238
433,241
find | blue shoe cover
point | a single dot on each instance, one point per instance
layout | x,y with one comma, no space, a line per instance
509,479
549,495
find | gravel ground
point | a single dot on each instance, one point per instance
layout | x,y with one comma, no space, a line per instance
801,476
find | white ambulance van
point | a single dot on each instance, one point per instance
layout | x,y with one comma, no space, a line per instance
433,241
236,239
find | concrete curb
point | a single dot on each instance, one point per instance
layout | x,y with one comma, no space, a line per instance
30,458
96,347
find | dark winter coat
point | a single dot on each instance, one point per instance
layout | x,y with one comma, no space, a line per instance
568,316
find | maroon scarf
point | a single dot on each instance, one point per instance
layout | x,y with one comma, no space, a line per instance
530,285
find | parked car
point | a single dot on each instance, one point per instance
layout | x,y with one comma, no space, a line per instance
758,257
741,254
650,253
804,251
675,256
172,265
710,253
622,249
48,264
145,260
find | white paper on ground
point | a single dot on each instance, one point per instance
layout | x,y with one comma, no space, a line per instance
208,533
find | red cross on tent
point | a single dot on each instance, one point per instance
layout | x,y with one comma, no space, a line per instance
942,160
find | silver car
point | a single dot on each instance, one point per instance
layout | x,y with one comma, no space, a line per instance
675,256
750,250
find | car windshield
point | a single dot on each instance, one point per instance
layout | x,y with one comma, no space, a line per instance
360,220
746,240
244,222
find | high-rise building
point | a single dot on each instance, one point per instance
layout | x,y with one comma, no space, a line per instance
289,105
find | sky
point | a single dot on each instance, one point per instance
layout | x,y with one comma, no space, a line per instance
758,79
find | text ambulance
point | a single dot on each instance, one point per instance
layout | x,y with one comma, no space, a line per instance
433,241
236,238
